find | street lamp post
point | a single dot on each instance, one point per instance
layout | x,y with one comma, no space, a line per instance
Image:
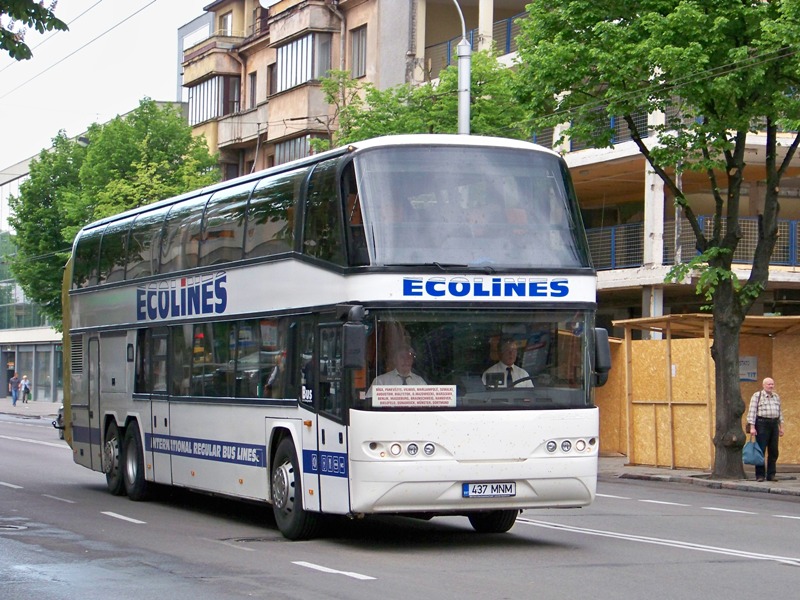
464,50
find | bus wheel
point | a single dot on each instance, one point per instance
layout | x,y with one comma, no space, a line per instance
111,460
287,502
493,521
136,486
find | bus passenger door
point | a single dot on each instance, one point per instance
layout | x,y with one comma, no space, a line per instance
157,450
95,435
331,429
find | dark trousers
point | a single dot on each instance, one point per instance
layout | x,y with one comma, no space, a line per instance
767,438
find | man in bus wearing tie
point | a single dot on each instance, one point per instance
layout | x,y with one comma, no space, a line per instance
505,373
401,374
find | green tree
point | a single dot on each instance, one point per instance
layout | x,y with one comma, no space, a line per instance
719,69
133,160
362,111
20,15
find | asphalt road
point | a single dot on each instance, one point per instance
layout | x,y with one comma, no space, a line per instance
62,536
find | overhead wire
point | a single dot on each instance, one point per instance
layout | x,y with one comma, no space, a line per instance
94,39
52,35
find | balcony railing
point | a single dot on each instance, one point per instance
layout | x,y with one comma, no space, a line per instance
504,35
622,246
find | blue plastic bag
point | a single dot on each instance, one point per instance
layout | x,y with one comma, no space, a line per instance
752,454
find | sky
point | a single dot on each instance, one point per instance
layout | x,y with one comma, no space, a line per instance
115,53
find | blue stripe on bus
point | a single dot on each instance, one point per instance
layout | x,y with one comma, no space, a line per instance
85,435
229,452
332,464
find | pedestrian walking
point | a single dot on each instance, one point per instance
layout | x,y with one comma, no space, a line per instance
765,421
13,388
25,389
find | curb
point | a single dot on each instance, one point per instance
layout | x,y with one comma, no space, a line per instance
742,486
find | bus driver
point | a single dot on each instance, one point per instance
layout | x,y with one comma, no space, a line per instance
401,374
505,373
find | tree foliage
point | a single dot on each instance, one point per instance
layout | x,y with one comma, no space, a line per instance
362,111
718,70
21,14
133,160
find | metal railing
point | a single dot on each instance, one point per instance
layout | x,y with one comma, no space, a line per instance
441,55
622,246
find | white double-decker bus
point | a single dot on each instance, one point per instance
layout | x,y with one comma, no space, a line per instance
401,326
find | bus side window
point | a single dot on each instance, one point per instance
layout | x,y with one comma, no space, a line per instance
223,225
142,384
270,214
87,257
113,251
144,244
180,245
356,237
330,371
322,231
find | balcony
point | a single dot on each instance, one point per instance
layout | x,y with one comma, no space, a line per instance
242,127
622,246
504,34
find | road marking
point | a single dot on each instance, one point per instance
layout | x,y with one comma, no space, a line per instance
728,510
664,502
230,545
116,516
614,497
59,499
309,565
785,517
29,441
788,560
11,485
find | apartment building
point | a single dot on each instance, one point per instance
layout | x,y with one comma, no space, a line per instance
253,90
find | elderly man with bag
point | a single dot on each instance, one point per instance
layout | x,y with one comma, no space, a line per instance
765,422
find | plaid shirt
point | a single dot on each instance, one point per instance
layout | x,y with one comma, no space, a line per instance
768,406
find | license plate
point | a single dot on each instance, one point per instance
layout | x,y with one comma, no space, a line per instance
488,490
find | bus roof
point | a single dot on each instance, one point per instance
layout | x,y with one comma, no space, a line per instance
423,139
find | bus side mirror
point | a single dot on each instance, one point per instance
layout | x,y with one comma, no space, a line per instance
602,356
354,349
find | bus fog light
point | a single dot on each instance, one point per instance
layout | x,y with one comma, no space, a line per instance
566,446
551,446
395,449
580,445
429,449
412,449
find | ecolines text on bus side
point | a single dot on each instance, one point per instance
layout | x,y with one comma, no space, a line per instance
182,297
496,287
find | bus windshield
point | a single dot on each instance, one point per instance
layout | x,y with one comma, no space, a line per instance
480,359
461,205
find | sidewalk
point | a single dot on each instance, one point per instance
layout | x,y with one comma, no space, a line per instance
31,409
787,479
611,467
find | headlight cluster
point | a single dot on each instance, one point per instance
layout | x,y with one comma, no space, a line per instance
384,449
567,446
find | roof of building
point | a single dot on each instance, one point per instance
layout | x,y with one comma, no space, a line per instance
696,325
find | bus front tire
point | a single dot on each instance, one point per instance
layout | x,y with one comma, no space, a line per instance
493,521
294,522
112,460
136,486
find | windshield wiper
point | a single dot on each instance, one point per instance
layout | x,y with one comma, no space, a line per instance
446,267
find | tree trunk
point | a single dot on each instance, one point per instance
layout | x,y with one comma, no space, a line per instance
729,436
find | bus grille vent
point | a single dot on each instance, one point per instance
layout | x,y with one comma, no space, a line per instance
76,355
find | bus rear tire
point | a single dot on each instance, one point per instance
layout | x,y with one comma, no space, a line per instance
493,521
136,486
112,460
293,521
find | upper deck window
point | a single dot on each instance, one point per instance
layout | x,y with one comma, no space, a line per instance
224,225
469,206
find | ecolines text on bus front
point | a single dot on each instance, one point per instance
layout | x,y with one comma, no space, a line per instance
478,287
183,297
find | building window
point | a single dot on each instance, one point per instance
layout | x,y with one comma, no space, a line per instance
215,97
303,60
226,24
358,58
272,79
253,90
292,149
